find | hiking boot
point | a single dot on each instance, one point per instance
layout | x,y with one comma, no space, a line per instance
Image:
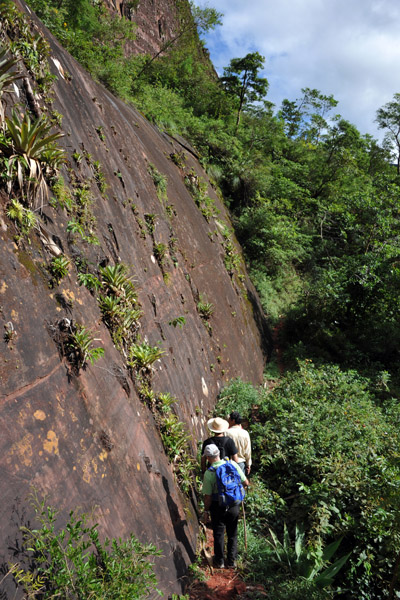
231,564
218,563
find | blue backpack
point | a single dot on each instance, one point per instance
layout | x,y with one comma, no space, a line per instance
230,489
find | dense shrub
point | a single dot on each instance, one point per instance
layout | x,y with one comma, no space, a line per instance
72,562
326,456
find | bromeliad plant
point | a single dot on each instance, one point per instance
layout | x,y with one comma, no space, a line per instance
160,182
205,309
118,302
23,217
80,349
119,305
142,356
31,155
7,77
175,438
59,268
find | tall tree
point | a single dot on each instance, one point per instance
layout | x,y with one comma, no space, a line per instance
242,81
388,117
306,116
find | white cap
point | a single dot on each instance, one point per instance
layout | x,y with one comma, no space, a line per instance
211,450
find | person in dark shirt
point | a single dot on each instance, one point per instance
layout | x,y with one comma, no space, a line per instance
226,445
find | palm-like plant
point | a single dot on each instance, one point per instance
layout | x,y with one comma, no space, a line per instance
30,150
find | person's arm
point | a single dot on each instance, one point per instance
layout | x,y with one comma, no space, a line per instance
247,454
231,449
207,501
203,464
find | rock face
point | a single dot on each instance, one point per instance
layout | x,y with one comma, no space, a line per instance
84,437
156,21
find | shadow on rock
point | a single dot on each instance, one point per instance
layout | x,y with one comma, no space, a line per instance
180,535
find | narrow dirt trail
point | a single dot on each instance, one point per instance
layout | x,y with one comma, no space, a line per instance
227,584
221,584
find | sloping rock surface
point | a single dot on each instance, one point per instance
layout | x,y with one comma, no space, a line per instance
84,438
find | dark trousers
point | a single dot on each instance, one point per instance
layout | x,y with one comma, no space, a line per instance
221,519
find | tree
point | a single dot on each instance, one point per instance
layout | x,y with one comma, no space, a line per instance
306,116
242,81
388,117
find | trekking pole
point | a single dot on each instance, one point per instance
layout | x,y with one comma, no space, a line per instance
244,527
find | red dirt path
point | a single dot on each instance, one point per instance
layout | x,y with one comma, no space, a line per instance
221,584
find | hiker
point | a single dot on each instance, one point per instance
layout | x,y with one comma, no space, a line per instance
225,444
221,516
241,438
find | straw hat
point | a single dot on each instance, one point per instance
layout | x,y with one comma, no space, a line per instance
217,425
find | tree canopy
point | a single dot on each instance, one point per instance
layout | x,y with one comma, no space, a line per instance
242,81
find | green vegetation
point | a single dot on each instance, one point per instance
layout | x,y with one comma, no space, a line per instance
315,206
118,302
326,468
205,309
30,155
198,188
72,562
80,349
160,182
176,441
24,218
177,322
142,356
59,268
7,77
27,45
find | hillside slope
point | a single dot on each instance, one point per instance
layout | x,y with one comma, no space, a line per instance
85,436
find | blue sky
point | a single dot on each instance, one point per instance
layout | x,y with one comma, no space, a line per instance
348,48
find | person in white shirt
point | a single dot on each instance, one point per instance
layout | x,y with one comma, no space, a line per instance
242,441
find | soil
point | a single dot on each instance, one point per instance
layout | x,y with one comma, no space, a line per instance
221,584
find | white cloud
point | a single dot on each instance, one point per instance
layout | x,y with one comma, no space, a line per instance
348,48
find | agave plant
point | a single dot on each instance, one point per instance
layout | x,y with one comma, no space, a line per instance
315,567
29,152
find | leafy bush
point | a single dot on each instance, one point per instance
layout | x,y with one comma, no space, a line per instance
326,451
240,396
72,562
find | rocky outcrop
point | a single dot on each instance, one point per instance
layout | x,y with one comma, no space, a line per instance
83,436
157,22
